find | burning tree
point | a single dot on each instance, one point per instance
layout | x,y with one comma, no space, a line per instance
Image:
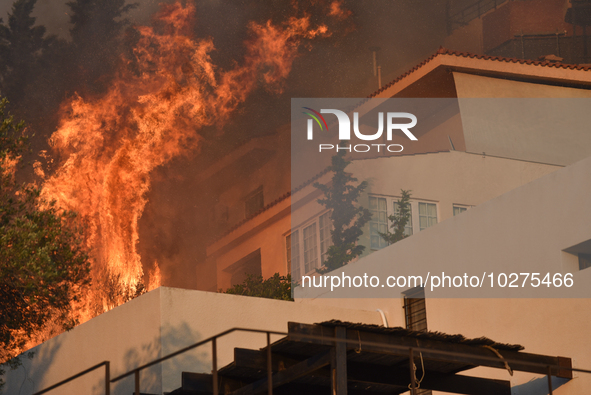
43,266
151,112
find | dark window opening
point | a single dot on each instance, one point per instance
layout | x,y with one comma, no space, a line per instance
254,202
249,265
584,261
415,311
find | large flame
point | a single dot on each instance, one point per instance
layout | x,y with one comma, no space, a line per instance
109,145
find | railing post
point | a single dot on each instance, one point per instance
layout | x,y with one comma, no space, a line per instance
269,366
136,374
107,378
214,365
413,384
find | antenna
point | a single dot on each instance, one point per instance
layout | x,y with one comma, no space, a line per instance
377,70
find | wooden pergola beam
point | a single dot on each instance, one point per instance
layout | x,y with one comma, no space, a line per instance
432,349
375,374
285,376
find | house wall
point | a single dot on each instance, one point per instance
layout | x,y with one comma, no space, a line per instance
127,336
446,179
269,238
156,324
543,326
524,230
540,123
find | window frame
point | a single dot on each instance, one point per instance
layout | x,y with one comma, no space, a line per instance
414,213
249,200
300,270
462,207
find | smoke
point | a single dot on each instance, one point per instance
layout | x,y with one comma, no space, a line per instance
172,223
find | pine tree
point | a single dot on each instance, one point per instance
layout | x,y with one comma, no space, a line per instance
97,27
399,219
21,44
348,219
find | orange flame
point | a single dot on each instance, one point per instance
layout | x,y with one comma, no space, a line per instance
337,11
110,145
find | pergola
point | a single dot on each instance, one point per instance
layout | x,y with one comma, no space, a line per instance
346,358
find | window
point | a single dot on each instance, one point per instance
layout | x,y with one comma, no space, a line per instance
293,255
249,265
254,202
310,248
315,240
381,224
324,225
459,209
584,261
379,221
427,215
415,311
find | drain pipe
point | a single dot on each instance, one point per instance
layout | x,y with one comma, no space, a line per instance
384,320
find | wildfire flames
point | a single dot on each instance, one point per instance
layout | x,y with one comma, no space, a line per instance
108,146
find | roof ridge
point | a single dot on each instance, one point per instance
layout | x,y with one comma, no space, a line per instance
465,54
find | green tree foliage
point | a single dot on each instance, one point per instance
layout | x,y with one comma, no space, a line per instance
276,287
43,266
348,219
399,219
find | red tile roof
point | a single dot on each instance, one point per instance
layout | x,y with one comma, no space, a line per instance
445,51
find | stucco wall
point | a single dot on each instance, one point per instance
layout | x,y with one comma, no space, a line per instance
128,336
524,230
535,122
156,324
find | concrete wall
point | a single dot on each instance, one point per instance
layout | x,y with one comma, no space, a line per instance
128,336
158,323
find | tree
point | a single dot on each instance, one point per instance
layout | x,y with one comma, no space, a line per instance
97,27
43,265
399,219
276,287
348,219
21,44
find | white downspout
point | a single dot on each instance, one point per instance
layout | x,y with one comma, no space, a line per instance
384,320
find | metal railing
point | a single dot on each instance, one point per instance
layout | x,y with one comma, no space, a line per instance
412,352
107,366
213,340
471,12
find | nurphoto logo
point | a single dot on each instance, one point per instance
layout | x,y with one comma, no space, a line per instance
392,124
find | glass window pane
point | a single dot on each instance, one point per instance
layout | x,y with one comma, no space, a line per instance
373,203
295,255
427,215
325,237
459,210
379,221
310,248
